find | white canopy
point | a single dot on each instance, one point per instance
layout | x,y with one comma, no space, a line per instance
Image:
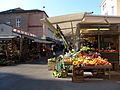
68,23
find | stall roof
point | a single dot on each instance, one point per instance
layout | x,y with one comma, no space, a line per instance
6,37
30,36
43,41
37,39
68,23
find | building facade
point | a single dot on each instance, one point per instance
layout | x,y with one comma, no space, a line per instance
110,7
27,20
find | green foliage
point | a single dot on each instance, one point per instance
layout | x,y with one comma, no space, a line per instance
60,74
87,49
55,59
69,67
57,35
6,62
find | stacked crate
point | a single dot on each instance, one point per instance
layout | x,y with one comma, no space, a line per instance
77,74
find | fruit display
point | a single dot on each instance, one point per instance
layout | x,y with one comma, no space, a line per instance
84,49
71,61
87,57
109,50
91,61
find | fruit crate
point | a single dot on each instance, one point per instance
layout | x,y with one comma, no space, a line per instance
78,74
51,65
77,79
77,71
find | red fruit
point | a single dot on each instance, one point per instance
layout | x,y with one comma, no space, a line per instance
105,51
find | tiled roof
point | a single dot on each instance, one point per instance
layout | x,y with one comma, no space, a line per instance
19,10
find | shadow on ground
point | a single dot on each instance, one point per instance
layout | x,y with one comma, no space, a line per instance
18,82
43,60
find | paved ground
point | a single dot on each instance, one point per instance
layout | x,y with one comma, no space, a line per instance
35,76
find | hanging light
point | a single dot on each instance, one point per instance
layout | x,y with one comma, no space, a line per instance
98,29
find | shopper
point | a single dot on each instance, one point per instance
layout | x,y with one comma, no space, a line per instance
54,50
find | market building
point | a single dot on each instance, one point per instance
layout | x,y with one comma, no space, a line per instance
110,7
25,28
27,20
84,29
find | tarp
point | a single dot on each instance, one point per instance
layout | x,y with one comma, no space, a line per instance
67,23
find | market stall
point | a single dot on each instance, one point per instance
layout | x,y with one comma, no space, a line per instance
17,45
104,38
85,60
103,30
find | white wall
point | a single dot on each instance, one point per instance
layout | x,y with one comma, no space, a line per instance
108,7
47,32
5,30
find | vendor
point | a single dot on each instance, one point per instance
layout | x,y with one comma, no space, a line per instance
54,48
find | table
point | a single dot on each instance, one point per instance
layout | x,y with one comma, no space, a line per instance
98,70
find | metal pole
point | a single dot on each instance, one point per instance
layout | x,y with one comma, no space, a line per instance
21,42
78,37
73,35
119,42
98,40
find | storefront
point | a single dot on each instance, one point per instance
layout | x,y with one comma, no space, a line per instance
104,38
18,45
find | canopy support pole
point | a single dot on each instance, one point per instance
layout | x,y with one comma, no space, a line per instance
47,23
73,36
77,43
21,43
63,37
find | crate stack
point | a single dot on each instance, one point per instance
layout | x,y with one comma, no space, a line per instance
78,74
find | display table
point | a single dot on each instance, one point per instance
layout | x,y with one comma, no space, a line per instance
113,57
98,70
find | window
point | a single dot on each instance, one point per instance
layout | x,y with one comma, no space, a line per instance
18,22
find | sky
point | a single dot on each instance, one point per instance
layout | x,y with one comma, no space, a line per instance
54,7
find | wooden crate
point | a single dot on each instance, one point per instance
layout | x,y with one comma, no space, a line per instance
77,71
77,79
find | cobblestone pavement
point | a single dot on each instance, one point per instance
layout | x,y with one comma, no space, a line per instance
35,76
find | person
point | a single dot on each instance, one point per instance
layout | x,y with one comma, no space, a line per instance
65,50
70,48
54,50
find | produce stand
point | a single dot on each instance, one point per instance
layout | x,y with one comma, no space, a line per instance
81,62
105,43
102,32
104,69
